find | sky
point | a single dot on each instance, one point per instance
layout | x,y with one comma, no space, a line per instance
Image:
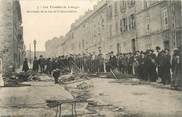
45,26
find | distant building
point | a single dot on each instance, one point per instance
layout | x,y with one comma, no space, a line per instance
53,47
125,26
89,33
12,49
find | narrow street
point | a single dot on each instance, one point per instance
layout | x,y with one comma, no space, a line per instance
111,98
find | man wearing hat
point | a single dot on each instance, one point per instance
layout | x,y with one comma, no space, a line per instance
113,61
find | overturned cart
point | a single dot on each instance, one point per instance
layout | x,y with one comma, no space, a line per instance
58,105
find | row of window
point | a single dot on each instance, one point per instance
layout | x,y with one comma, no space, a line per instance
122,5
126,24
164,18
148,3
129,23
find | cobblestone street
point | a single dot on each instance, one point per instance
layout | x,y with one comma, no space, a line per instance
111,98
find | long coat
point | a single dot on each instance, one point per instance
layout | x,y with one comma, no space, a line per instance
25,66
165,69
35,65
177,71
113,62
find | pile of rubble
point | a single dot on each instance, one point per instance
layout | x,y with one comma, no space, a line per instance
72,78
14,79
80,87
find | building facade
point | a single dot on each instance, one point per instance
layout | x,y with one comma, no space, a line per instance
122,26
12,49
158,24
89,33
125,26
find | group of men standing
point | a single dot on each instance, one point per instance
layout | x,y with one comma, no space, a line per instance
47,65
150,65
40,64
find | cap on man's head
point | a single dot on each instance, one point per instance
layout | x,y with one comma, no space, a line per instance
158,48
167,49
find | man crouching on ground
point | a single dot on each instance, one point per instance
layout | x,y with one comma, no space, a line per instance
56,74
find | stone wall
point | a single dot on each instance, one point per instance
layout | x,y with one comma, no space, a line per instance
11,34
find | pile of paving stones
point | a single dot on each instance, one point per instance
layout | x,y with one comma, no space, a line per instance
14,79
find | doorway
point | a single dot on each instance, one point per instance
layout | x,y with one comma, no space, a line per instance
166,45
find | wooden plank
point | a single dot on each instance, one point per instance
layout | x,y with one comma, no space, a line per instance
67,101
113,74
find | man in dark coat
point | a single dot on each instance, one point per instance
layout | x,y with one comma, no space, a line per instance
130,63
141,67
35,65
159,60
42,63
177,69
107,63
125,64
54,63
113,61
49,66
150,65
94,66
56,74
70,62
61,63
89,62
120,64
165,68
25,65
100,63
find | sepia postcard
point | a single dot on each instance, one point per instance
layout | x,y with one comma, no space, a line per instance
90,58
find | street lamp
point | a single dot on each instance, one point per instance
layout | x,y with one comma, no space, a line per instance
34,43
30,53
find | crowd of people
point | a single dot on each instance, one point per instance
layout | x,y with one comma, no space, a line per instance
150,65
